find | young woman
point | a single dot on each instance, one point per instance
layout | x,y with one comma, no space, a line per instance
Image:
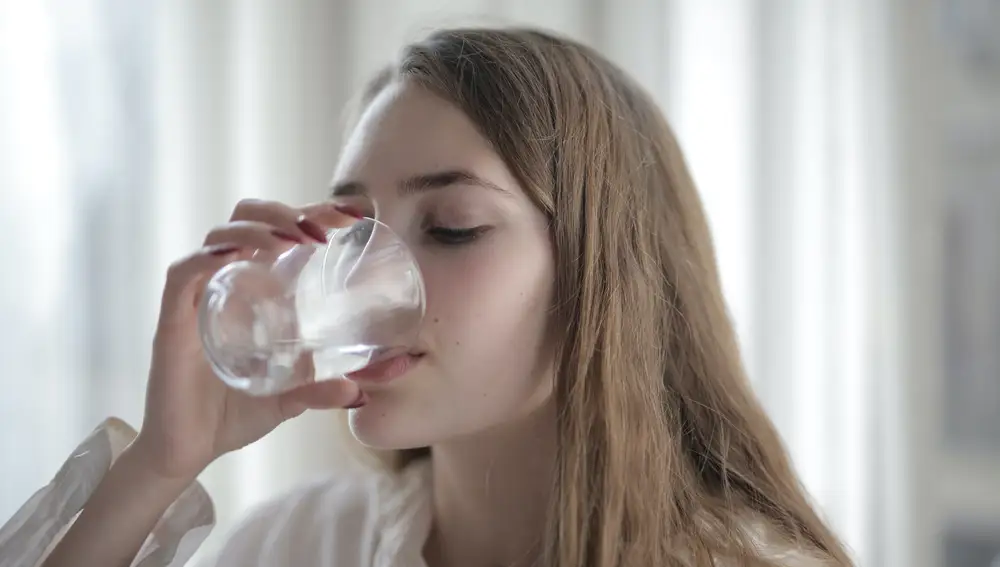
576,398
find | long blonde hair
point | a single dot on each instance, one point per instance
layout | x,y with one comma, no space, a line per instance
665,457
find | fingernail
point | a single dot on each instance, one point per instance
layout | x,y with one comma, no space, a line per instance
362,400
286,236
312,229
349,211
223,249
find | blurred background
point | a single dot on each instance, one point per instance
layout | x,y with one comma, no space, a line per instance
848,153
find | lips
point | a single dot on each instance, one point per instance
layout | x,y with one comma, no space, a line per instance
386,370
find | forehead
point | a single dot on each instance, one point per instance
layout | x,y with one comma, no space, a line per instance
406,129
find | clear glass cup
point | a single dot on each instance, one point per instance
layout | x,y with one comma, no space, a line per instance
318,311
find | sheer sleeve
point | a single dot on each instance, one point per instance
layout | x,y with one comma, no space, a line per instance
32,532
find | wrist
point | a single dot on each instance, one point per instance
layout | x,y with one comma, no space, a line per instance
137,463
120,514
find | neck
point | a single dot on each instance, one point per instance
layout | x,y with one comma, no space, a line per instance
491,494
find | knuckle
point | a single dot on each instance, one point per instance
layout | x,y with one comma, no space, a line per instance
179,270
216,231
176,270
176,266
246,206
234,230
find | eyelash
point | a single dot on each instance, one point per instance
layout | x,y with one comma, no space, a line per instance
442,235
455,236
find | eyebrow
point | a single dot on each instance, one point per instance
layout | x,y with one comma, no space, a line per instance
422,182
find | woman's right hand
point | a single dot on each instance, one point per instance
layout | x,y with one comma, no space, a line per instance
191,416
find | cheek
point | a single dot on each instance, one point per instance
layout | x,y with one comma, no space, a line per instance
486,311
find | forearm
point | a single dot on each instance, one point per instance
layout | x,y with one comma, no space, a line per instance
118,517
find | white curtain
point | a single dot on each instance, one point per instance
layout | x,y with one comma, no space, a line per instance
127,129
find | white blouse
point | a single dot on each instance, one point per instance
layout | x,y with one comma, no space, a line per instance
356,520
377,519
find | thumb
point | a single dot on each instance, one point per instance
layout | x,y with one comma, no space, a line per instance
327,394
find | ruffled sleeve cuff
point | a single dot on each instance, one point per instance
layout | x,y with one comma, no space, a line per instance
28,537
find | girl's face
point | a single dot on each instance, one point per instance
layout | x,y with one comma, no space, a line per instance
419,165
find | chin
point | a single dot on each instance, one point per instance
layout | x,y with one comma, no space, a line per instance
385,430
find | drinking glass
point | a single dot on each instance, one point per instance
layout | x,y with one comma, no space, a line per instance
318,311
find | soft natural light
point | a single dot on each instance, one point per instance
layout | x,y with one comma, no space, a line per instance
820,134
37,344
711,102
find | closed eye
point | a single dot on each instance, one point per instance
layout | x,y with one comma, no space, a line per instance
455,236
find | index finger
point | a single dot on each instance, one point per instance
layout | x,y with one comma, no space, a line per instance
330,214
